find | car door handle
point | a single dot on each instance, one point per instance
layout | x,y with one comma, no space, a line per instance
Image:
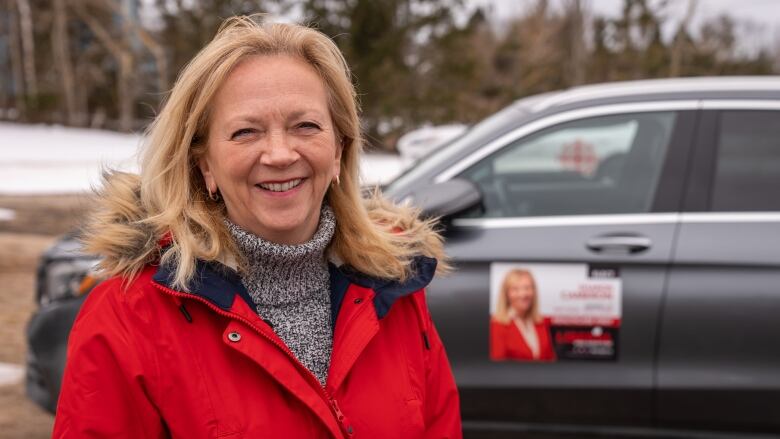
618,244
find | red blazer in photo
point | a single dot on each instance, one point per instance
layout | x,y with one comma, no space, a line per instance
507,343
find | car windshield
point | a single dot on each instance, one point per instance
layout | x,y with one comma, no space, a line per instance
487,128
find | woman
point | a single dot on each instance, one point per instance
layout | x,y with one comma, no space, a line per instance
516,330
254,292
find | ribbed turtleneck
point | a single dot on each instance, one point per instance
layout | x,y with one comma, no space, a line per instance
290,285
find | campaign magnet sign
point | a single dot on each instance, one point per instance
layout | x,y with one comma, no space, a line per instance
554,312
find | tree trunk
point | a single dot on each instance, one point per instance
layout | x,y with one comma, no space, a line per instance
28,48
83,71
17,69
678,46
125,90
4,104
124,60
576,17
60,44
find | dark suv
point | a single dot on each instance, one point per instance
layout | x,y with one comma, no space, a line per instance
646,215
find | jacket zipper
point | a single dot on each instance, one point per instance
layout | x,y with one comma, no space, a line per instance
334,407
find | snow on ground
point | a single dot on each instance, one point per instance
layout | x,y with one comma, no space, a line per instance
41,159
37,159
7,214
10,373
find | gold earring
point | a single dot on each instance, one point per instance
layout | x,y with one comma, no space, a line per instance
337,181
213,196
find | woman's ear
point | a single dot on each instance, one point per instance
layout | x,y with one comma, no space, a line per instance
208,176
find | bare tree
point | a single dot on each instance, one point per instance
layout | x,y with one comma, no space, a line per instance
28,47
5,74
61,55
157,51
575,21
17,69
678,46
132,27
125,62
540,53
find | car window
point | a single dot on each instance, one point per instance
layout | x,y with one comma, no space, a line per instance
478,134
747,175
599,165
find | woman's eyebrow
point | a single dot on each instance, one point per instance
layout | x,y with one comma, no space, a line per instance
300,113
244,118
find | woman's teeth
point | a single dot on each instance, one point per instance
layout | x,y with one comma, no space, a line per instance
280,187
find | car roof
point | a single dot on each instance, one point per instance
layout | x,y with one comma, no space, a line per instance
528,109
722,87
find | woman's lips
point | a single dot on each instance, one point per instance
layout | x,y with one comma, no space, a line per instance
282,186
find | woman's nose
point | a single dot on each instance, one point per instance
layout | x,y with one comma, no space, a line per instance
279,153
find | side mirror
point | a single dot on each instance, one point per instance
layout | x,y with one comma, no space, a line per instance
447,199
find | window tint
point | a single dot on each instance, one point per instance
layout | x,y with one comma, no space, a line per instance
747,176
607,164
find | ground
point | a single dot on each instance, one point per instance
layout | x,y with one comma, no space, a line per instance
38,221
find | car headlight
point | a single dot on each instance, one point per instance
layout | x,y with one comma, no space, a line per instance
63,279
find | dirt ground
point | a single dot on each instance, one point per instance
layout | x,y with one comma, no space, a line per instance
38,221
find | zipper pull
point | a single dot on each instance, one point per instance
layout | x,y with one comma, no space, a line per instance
182,308
347,429
186,314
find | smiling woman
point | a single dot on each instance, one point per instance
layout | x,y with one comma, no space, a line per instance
273,149
253,292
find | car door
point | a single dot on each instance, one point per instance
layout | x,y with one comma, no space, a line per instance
579,194
718,358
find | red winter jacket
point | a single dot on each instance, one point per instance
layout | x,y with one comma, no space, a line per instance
152,362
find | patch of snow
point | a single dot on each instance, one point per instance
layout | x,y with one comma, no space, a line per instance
10,374
376,169
40,159
37,159
7,214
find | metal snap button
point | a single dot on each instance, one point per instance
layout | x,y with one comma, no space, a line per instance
234,336
358,300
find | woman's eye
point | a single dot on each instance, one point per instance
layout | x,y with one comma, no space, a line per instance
242,132
308,126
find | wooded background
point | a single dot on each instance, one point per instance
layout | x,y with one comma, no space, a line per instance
96,63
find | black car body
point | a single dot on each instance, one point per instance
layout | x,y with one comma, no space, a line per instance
59,293
670,187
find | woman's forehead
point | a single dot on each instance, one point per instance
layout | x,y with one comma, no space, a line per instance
518,276
267,84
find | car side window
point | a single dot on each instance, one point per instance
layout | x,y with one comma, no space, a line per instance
599,165
747,175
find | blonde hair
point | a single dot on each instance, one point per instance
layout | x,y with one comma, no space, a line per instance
502,313
169,197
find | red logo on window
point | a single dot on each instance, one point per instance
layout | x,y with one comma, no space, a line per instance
579,156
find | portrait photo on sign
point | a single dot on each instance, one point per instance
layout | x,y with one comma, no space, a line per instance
554,312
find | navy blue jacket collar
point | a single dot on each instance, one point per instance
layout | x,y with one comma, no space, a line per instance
213,281
388,290
220,284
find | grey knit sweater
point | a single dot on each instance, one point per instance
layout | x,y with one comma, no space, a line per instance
290,285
